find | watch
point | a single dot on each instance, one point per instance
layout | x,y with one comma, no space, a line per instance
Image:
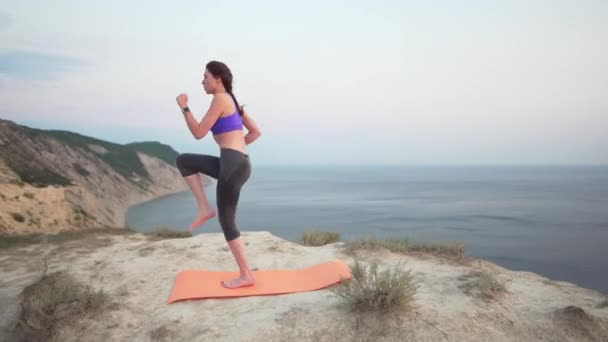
185,109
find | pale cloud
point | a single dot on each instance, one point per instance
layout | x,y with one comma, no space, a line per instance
5,20
33,66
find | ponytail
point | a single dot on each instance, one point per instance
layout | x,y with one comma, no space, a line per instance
238,108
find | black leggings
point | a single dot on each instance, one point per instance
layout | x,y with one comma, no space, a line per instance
231,169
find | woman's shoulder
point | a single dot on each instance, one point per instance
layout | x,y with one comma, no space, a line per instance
224,100
222,97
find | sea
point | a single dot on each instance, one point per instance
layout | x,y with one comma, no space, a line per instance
550,220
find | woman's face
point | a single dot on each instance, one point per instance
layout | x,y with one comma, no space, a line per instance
210,83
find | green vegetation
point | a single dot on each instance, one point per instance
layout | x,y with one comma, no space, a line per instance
36,175
16,182
315,237
81,171
395,245
455,250
403,246
80,213
156,149
122,158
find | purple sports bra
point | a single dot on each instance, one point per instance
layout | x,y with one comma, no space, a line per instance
228,123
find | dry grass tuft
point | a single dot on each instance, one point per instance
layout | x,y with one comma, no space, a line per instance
165,232
379,291
54,302
455,251
9,241
482,285
315,237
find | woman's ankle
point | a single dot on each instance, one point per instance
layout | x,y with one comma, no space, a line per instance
206,209
247,274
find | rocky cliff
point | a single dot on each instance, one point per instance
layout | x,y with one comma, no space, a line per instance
454,300
53,180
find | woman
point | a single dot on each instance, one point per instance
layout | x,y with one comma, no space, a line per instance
225,118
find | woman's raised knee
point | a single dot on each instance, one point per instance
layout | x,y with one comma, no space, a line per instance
180,162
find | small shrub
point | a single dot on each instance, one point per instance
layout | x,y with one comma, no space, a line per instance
145,251
482,285
372,290
53,302
80,170
454,250
18,217
396,245
37,176
164,232
161,333
80,214
17,182
579,324
315,237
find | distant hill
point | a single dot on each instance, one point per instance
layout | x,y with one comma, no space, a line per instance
155,149
62,169
122,158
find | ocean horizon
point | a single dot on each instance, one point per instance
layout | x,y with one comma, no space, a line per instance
547,219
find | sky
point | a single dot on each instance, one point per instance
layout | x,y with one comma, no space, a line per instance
328,82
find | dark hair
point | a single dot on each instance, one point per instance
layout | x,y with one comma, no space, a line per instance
221,70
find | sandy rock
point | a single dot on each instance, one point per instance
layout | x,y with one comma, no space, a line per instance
139,273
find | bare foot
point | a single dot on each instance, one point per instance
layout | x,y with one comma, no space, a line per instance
201,218
239,282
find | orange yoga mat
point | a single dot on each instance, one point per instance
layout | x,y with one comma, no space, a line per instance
197,284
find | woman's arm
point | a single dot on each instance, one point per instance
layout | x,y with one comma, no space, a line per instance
199,130
252,128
